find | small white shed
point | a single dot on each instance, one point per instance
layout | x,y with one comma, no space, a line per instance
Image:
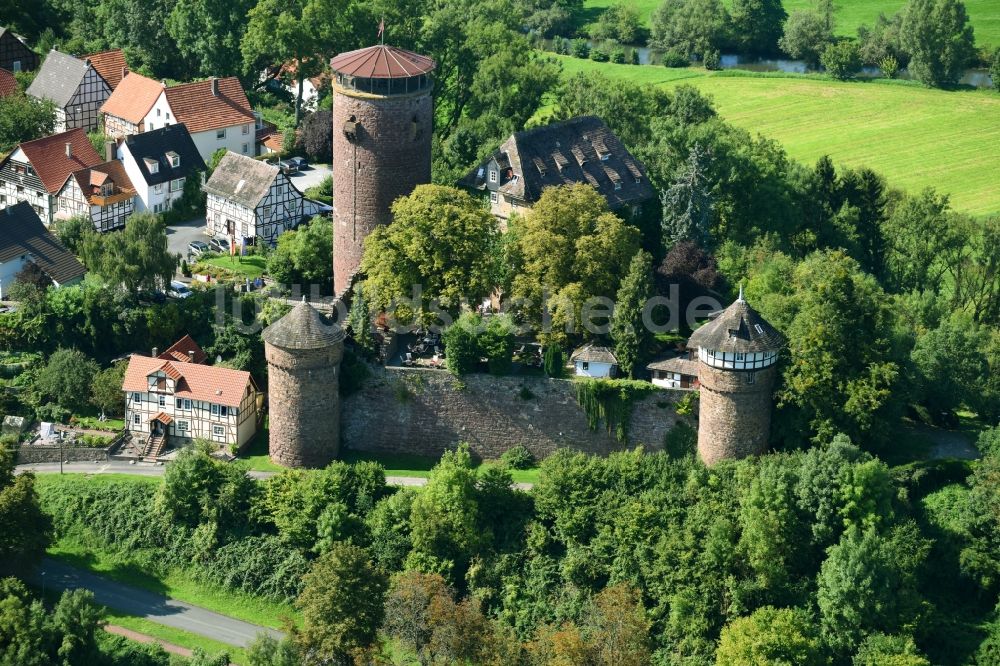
593,360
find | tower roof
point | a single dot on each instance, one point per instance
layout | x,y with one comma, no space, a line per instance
739,329
382,62
303,328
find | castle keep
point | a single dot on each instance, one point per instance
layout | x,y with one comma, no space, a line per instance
382,125
737,356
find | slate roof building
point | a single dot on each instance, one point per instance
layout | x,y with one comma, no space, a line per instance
37,170
158,162
737,367
676,372
75,87
15,56
579,150
594,360
250,199
172,402
103,192
24,239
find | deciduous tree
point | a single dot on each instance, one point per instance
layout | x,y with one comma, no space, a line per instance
939,38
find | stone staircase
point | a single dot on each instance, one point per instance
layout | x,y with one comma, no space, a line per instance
154,447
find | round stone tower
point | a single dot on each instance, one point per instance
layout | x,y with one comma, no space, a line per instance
737,356
382,125
303,354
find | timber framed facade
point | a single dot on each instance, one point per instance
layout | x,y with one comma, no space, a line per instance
20,182
83,109
15,56
107,206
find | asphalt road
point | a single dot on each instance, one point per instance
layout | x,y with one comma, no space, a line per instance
179,235
150,605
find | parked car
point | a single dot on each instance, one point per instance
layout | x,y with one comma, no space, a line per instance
220,245
197,248
178,289
300,163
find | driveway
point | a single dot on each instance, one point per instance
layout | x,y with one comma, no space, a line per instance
179,235
150,605
311,176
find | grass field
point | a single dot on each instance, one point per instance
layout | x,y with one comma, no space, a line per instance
984,14
178,637
916,136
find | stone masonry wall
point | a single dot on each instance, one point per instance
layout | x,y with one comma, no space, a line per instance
33,453
734,417
426,412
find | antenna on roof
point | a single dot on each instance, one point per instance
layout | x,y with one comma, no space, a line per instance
741,293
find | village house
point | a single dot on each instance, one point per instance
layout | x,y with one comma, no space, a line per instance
110,65
593,360
137,105
15,56
23,240
37,170
76,89
103,193
251,199
171,402
158,162
283,77
185,350
8,84
580,150
676,372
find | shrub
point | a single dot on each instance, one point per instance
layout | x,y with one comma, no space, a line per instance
618,55
842,60
518,457
635,56
713,61
889,66
675,59
598,54
581,49
553,361
989,442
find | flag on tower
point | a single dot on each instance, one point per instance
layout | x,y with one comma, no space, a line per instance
381,28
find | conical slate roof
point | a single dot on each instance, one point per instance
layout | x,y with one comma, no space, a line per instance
740,329
303,328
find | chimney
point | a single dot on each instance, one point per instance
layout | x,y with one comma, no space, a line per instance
109,151
69,150
215,87
163,82
191,355
124,72
156,352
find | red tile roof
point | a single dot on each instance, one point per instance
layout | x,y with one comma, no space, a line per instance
48,157
91,179
8,84
185,350
382,62
109,64
163,418
221,386
133,98
194,104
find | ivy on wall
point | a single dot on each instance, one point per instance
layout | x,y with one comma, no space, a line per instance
611,401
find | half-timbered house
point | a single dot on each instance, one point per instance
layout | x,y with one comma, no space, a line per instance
158,162
251,199
170,403
75,87
15,56
136,106
24,239
110,65
37,170
102,193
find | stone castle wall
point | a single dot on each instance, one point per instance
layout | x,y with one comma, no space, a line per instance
303,405
734,417
37,453
426,412
390,156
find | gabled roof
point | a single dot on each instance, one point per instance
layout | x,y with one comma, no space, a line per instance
110,65
303,328
684,366
185,350
133,97
92,178
242,179
593,353
8,84
382,62
739,329
48,156
155,144
221,386
562,154
22,232
194,104
58,78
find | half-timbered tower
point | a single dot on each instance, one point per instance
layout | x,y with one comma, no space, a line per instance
170,402
102,193
15,56
383,118
737,366
251,199
75,87
37,170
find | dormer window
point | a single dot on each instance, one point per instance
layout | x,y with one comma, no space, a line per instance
493,175
29,170
107,189
618,185
152,165
173,159
605,157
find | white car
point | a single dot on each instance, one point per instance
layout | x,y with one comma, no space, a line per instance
178,289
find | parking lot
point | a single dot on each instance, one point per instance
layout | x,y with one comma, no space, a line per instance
179,235
311,176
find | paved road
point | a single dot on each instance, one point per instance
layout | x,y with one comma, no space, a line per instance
311,176
152,606
179,235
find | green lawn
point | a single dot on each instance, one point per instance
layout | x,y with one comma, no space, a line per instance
251,266
178,637
916,136
984,14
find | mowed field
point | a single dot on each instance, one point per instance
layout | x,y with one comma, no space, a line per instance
917,137
984,14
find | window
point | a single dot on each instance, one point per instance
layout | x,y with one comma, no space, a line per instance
180,403
220,134
163,401
235,411
223,411
618,185
152,126
182,426
29,169
187,404
739,356
586,365
605,157
17,66
158,208
751,377
246,129
107,189
136,397
218,430
135,419
215,410
175,160
158,113
494,197
177,185
638,180
493,175
20,189
158,188
246,148
168,115
265,213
